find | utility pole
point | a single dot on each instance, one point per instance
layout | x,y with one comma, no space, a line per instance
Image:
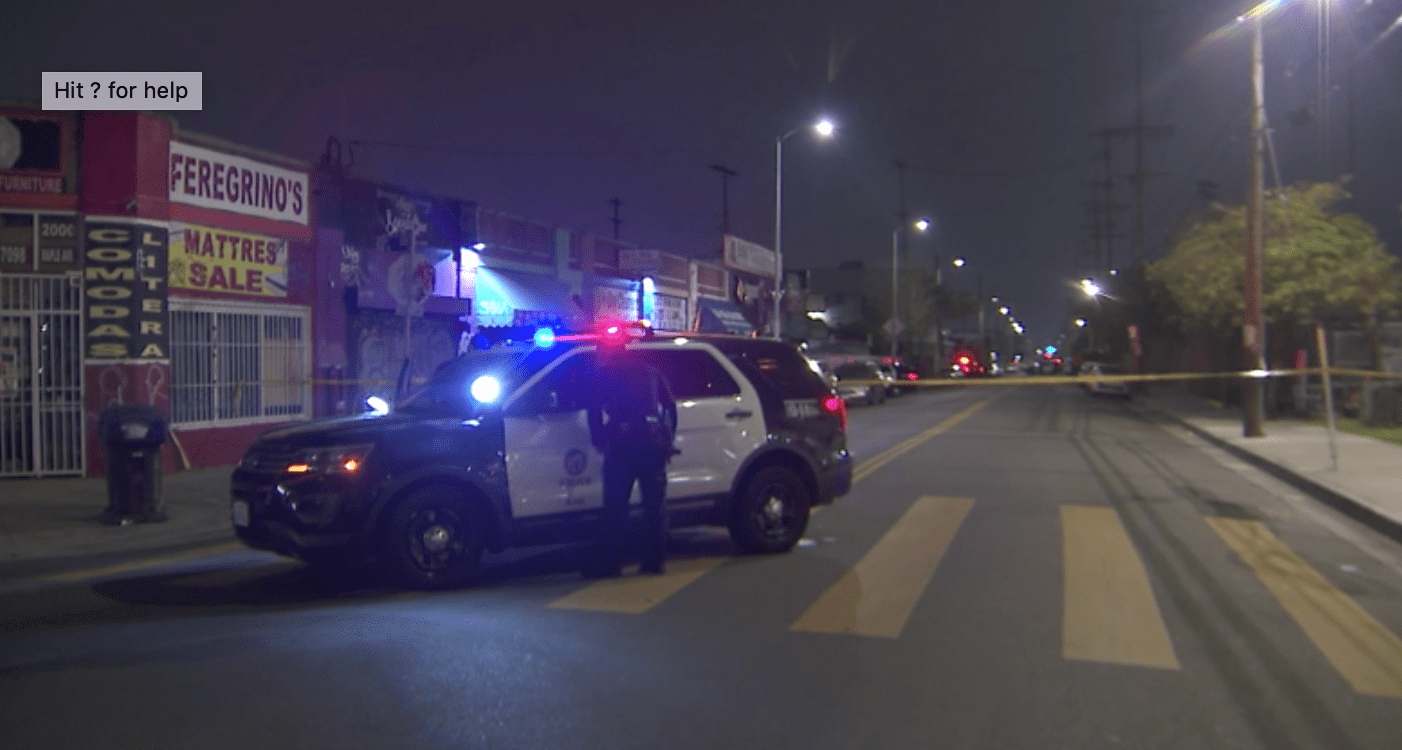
725,174
1253,324
1139,131
896,242
616,221
1101,210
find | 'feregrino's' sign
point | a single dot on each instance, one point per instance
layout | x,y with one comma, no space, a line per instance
211,179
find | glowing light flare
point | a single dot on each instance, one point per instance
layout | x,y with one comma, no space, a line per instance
350,465
377,405
485,389
824,127
298,468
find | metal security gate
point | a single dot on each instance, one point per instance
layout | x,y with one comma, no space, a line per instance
41,376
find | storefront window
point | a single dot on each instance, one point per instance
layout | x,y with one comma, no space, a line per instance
236,363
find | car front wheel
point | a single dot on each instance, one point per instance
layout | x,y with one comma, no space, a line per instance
771,512
434,540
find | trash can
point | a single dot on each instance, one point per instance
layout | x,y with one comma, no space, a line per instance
132,436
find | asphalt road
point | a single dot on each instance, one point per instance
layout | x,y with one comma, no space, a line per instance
1015,568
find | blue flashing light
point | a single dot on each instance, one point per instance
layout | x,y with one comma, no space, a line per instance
544,338
1051,350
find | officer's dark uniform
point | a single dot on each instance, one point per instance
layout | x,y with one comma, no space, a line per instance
633,421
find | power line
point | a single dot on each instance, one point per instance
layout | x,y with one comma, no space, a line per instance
543,154
1023,172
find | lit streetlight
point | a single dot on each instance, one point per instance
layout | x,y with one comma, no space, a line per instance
825,129
921,226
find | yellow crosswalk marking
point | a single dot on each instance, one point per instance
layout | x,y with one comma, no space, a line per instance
876,597
1363,650
1110,614
636,594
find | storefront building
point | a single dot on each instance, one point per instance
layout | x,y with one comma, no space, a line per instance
751,287
397,298
41,384
198,286
525,278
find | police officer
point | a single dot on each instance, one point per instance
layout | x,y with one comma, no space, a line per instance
633,422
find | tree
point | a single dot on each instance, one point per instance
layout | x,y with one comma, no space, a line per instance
1316,260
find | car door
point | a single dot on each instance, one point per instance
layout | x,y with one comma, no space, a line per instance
552,466
719,419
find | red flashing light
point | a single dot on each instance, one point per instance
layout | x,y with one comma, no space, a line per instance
835,405
963,360
912,376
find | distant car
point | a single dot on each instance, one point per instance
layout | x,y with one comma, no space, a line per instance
855,382
1113,388
906,377
888,373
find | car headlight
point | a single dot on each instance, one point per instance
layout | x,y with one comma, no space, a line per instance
339,459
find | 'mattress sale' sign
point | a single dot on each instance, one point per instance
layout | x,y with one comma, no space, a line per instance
210,179
220,260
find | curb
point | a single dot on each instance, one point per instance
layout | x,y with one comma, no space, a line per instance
1327,495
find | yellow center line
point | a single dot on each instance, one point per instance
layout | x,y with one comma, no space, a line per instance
1109,611
875,597
1364,652
150,562
636,594
896,451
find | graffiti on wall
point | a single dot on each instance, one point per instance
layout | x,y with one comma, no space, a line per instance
379,350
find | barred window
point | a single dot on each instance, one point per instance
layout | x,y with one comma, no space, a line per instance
238,363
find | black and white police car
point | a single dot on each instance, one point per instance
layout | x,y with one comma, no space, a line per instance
494,452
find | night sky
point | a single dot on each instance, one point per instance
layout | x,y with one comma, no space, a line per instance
550,109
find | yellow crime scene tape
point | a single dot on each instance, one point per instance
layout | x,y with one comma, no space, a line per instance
995,380
1014,380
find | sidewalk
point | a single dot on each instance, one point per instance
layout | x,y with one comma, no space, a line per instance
1367,485
50,519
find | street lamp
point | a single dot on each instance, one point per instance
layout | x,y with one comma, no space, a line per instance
921,226
825,129
939,285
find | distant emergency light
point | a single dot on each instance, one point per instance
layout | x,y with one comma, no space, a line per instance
544,338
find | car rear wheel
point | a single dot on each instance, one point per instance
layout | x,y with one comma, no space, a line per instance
771,512
434,540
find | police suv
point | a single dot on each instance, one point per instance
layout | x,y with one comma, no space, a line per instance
494,452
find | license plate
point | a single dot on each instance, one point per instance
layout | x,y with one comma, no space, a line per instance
240,509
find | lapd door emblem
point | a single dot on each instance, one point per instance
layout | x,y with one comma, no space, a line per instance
575,460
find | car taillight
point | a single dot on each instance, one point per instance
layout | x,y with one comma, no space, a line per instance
916,376
835,405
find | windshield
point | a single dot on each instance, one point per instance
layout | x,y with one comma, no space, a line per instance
462,387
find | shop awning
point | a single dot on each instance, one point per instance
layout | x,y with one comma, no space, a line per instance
513,298
721,316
